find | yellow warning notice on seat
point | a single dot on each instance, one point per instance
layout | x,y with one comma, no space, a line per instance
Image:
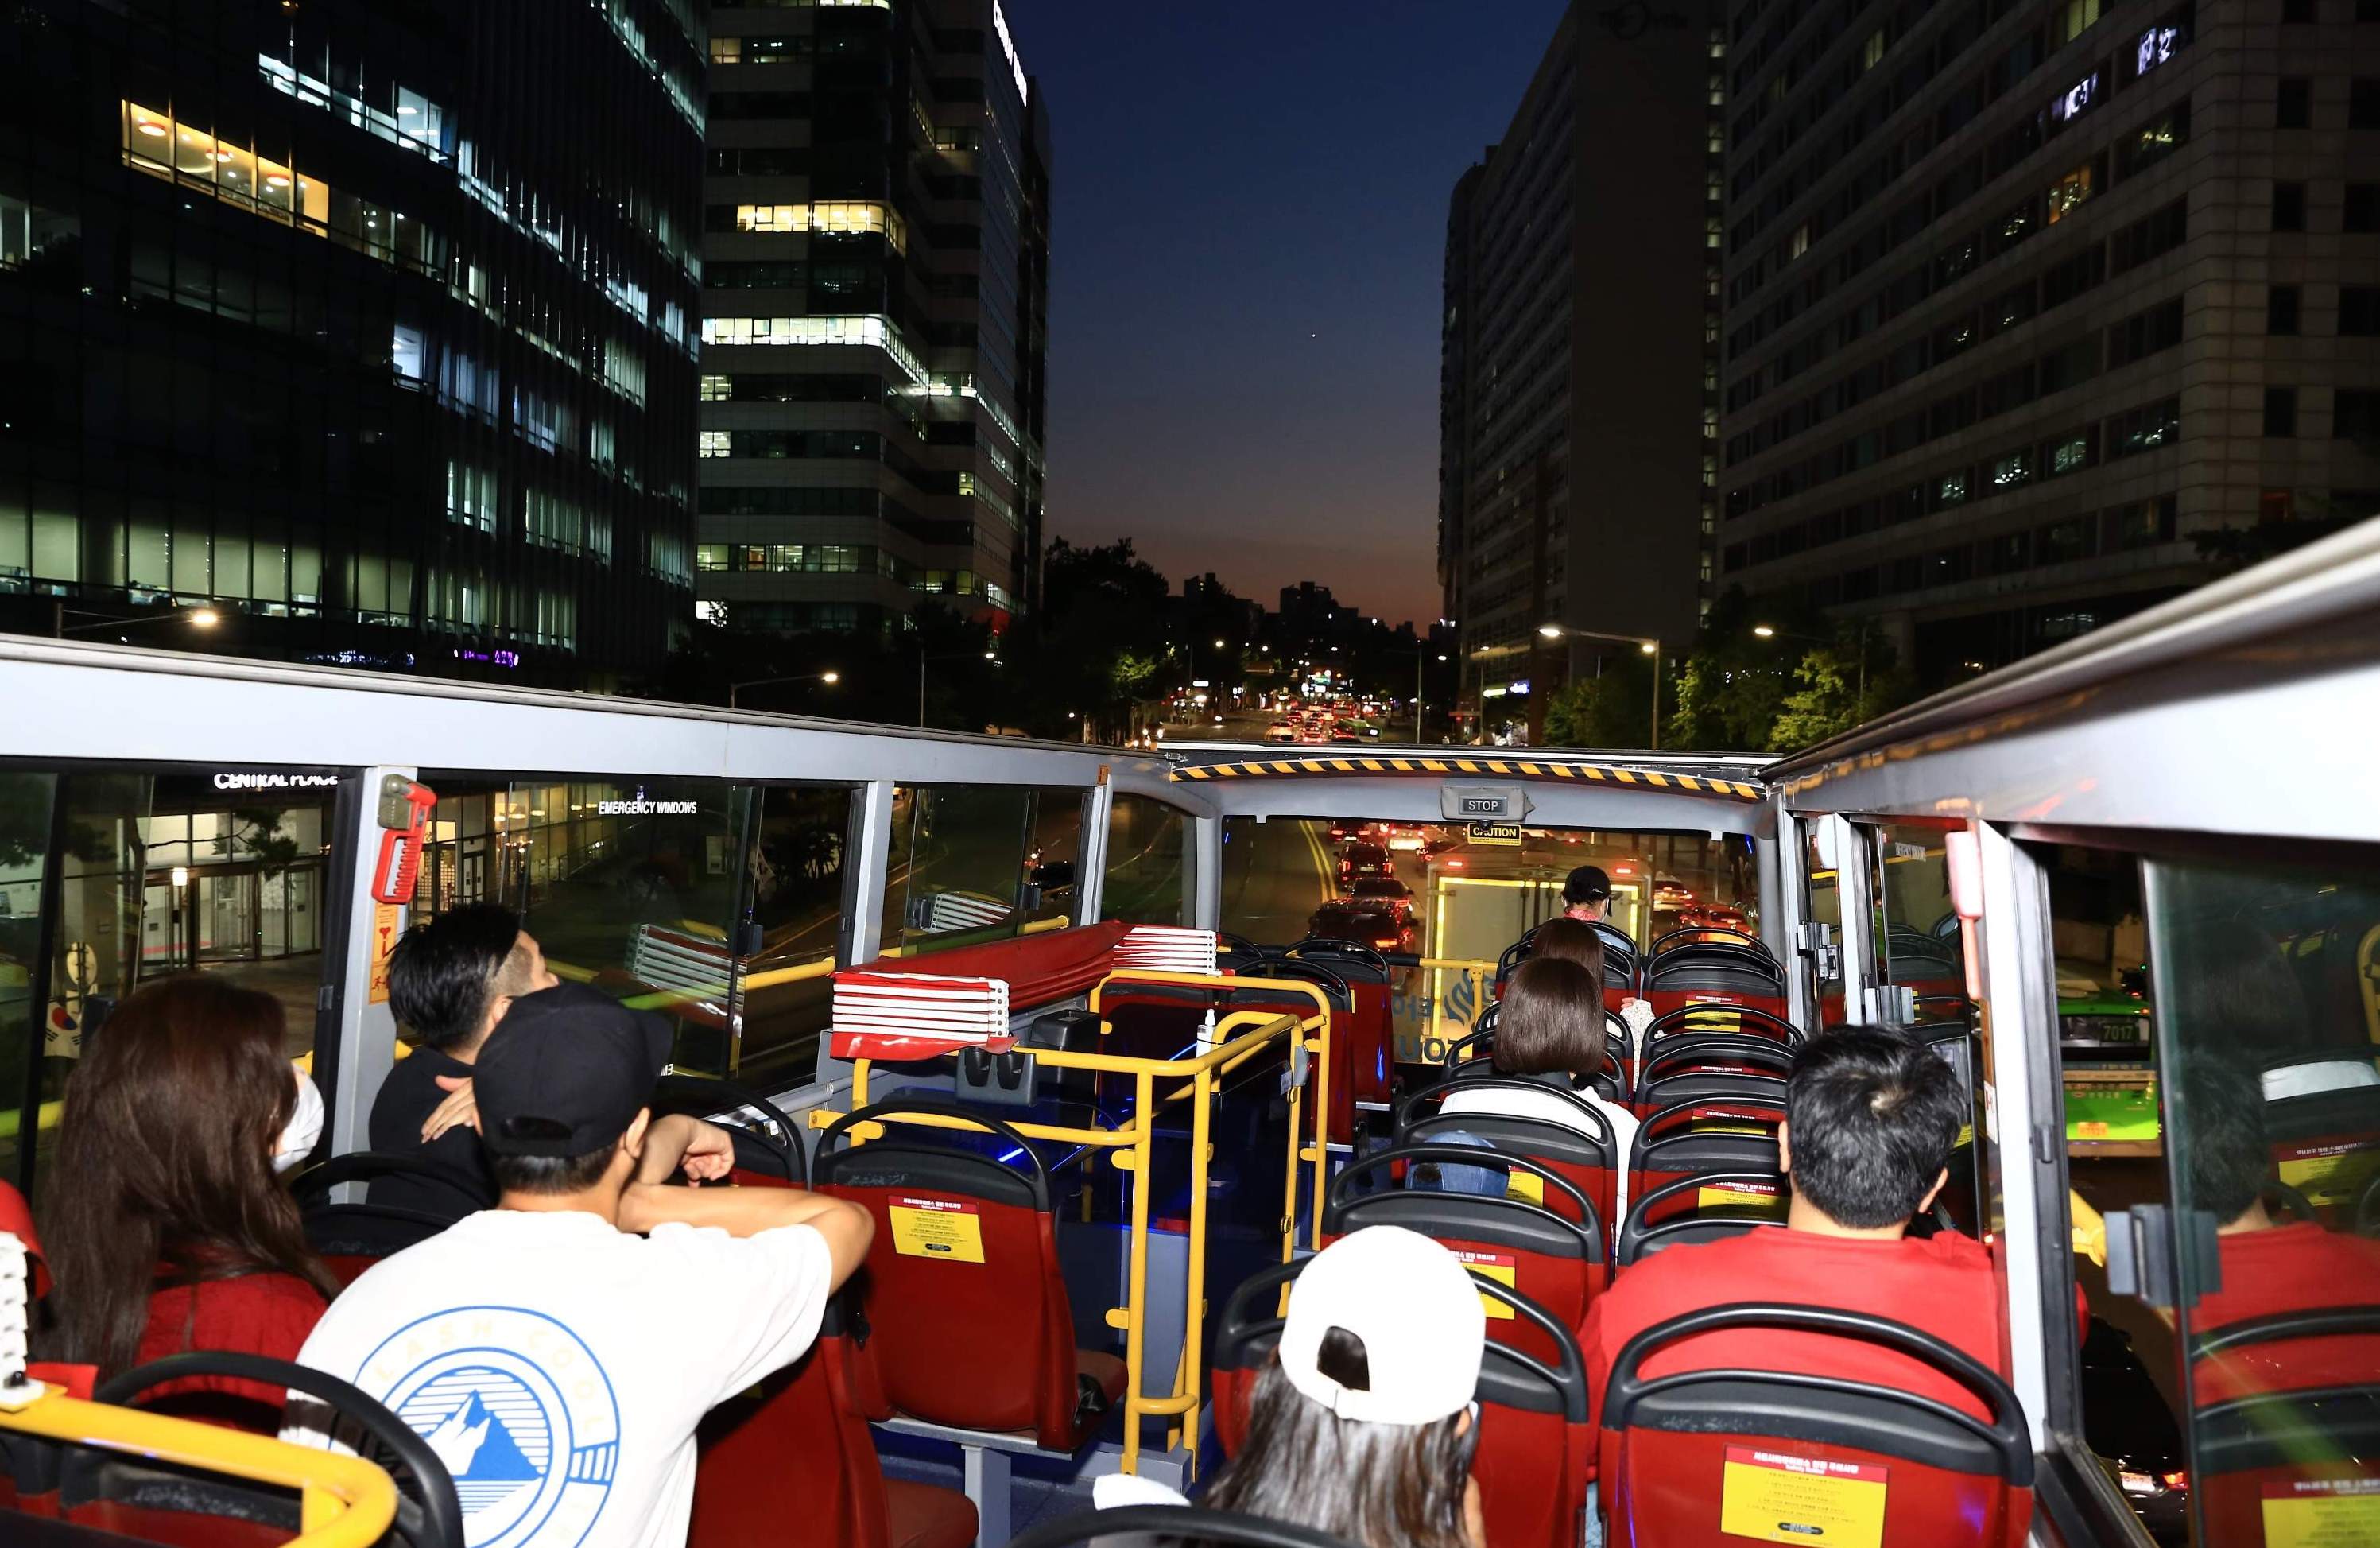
1741,1199
1775,1496
1497,1266
2322,1513
947,1228
1527,1186
2331,1170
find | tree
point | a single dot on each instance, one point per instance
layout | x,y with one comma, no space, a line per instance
1613,710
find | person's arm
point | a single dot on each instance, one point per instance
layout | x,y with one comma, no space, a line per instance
747,1211
674,1140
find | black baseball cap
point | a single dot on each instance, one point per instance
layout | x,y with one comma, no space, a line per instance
1587,884
566,1058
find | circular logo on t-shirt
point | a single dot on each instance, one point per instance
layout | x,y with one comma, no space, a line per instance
517,1407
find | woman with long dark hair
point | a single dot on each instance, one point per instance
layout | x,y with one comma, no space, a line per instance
165,1226
1363,1425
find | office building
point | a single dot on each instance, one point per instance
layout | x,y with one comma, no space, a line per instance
2023,298
370,326
1578,386
876,252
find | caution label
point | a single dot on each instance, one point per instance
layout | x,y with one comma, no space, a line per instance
1527,1186
1497,1266
947,1228
1775,1496
385,929
2331,1169
1741,1198
2322,1513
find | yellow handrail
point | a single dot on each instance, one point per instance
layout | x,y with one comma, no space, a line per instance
343,1502
1240,1037
1480,972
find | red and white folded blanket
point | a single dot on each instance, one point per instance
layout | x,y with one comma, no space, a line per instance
1166,949
914,1015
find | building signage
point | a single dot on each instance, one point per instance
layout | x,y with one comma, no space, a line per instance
1007,46
2076,99
2154,48
261,781
1483,803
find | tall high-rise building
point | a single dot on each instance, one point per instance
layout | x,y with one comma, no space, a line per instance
876,278
1578,386
372,327
2022,297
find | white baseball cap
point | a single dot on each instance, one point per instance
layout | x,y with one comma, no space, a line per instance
1417,1313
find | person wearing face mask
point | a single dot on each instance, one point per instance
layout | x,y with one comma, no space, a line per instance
165,1223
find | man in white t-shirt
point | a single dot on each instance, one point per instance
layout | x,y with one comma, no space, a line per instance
556,1361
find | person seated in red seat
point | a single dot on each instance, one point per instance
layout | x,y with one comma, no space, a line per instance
165,1225
1872,1118
2268,1268
1551,1034
1362,1425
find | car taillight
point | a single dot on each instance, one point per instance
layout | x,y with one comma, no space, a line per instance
2175,1481
1387,943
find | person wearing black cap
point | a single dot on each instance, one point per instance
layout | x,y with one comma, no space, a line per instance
1586,894
556,1359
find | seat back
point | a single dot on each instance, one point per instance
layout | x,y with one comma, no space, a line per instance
1556,1259
350,1238
1699,935
1700,1139
1472,1056
1701,1209
1703,1459
1715,972
1371,1049
2288,1430
165,1505
1530,1464
1620,966
973,1328
1700,1019
2327,1143
1588,1160
1698,1065
768,1144
1135,1526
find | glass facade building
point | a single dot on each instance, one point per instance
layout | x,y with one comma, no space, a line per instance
373,327
2022,297
875,282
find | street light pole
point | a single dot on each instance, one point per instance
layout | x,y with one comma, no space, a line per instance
197,617
1645,644
829,678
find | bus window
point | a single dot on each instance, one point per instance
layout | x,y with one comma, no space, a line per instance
787,988
1824,905
1918,944
2267,1011
632,887
24,854
965,864
1145,879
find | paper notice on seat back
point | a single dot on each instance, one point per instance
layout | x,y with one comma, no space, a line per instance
946,1228
2322,1513
1775,1496
1497,1266
2331,1169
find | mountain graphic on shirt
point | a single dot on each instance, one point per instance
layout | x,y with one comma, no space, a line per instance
477,1448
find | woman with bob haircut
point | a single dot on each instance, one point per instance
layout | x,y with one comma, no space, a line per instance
165,1225
1362,1425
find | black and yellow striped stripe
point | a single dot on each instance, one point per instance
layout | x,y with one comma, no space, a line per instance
1695,785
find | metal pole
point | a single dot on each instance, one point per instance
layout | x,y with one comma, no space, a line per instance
1419,656
921,685
1656,696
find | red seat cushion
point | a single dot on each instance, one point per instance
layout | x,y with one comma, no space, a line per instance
926,1515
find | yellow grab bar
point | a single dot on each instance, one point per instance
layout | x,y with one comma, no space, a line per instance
344,1502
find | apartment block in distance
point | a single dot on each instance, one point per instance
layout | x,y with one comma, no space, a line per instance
2022,295
1578,376
369,328
875,284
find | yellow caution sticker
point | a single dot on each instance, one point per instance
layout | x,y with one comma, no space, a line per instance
1497,1266
1742,1197
2331,1170
2322,1513
1776,1497
946,1228
1527,1186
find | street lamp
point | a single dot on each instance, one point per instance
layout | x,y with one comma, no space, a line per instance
1764,632
992,656
197,617
829,678
1648,646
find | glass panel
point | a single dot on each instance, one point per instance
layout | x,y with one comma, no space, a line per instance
797,902
1051,860
2267,1011
629,886
1824,906
958,866
24,850
1146,843
1919,942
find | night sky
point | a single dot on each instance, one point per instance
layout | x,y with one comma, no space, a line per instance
1248,222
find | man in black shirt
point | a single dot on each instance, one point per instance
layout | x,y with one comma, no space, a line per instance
449,983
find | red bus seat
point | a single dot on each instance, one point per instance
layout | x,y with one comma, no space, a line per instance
1557,1258
1589,1161
1531,1464
2308,1437
972,1327
799,1443
1715,1205
1473,1056
1713,973
1371,1048
1156,1020
1698,1019
1687,1067
1706,1459
1619,964
350,1238
1698,1139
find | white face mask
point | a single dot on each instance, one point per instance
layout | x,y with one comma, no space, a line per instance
297,1141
